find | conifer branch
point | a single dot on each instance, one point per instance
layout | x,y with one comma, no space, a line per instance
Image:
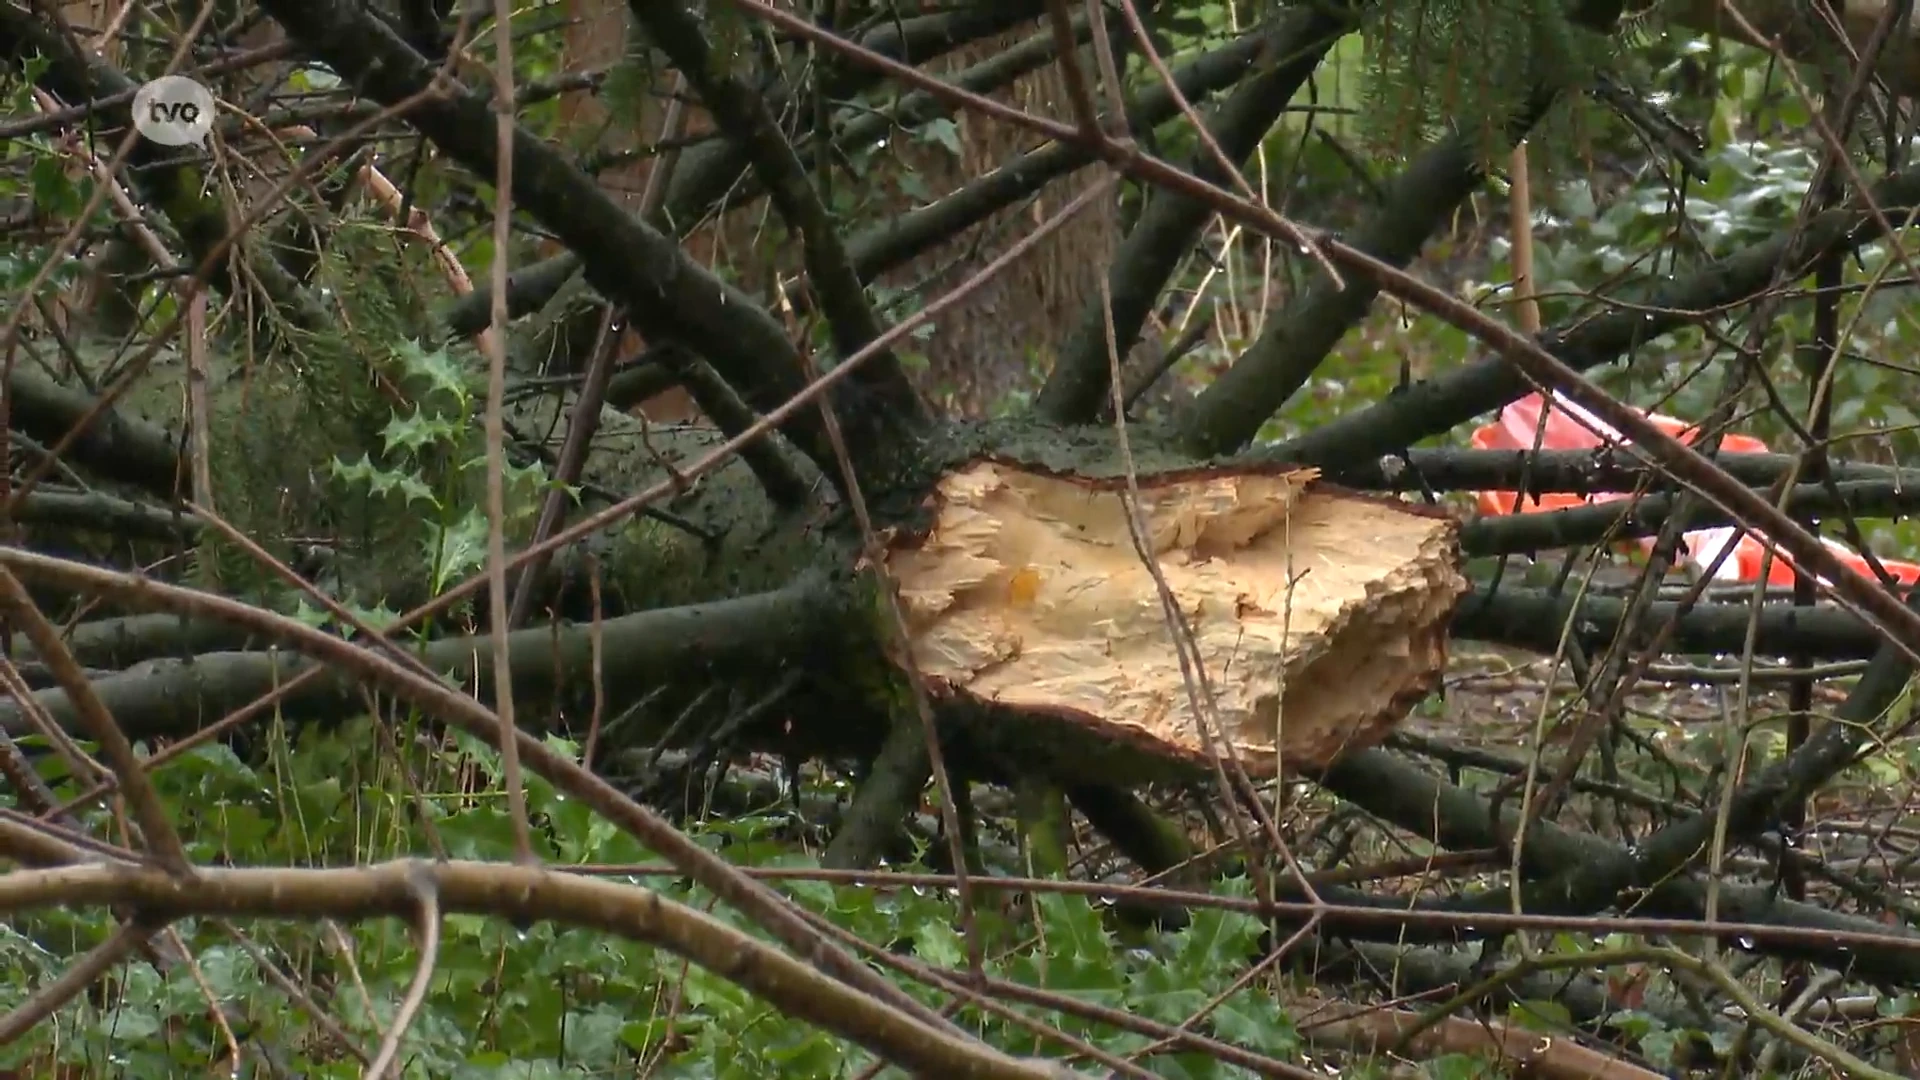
669,296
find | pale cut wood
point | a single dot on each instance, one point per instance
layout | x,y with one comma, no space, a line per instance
1320,615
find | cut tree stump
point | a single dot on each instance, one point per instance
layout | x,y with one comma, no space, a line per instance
1320,615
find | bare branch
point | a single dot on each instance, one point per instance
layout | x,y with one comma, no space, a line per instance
743,115
98,723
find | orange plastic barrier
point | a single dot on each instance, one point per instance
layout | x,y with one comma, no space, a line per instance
1567,426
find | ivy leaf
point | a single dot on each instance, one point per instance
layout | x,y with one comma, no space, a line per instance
1257,1022
937,943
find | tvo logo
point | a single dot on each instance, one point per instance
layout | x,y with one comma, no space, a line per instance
173,110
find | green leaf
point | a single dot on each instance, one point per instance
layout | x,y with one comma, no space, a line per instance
1539,1015
379,481
412,433
54,193
939,944
438,370
459,550
942,131
1256,1021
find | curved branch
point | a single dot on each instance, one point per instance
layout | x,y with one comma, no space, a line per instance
392,890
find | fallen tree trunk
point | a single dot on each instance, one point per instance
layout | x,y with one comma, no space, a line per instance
1318,617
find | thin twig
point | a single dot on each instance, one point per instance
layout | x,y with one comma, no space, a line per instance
387,1057
127,768
73,982
497,598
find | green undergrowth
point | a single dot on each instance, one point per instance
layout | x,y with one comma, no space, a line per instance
550,1001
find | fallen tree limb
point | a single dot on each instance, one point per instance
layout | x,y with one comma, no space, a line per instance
1575,472
1629,518
1797,32
176,697
1458,819
1369,1029
1533,619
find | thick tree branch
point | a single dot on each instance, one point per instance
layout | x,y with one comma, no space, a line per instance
901,239
1793,30
743,115
176,697
1630,518
1230,412
391,890
869,126
1579,472
528,290
375,666
707,176
1591,884
914,233
1533,619
161,177
97,511
1578,873
123,642
1076,389
1413,799
114,445
713,170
